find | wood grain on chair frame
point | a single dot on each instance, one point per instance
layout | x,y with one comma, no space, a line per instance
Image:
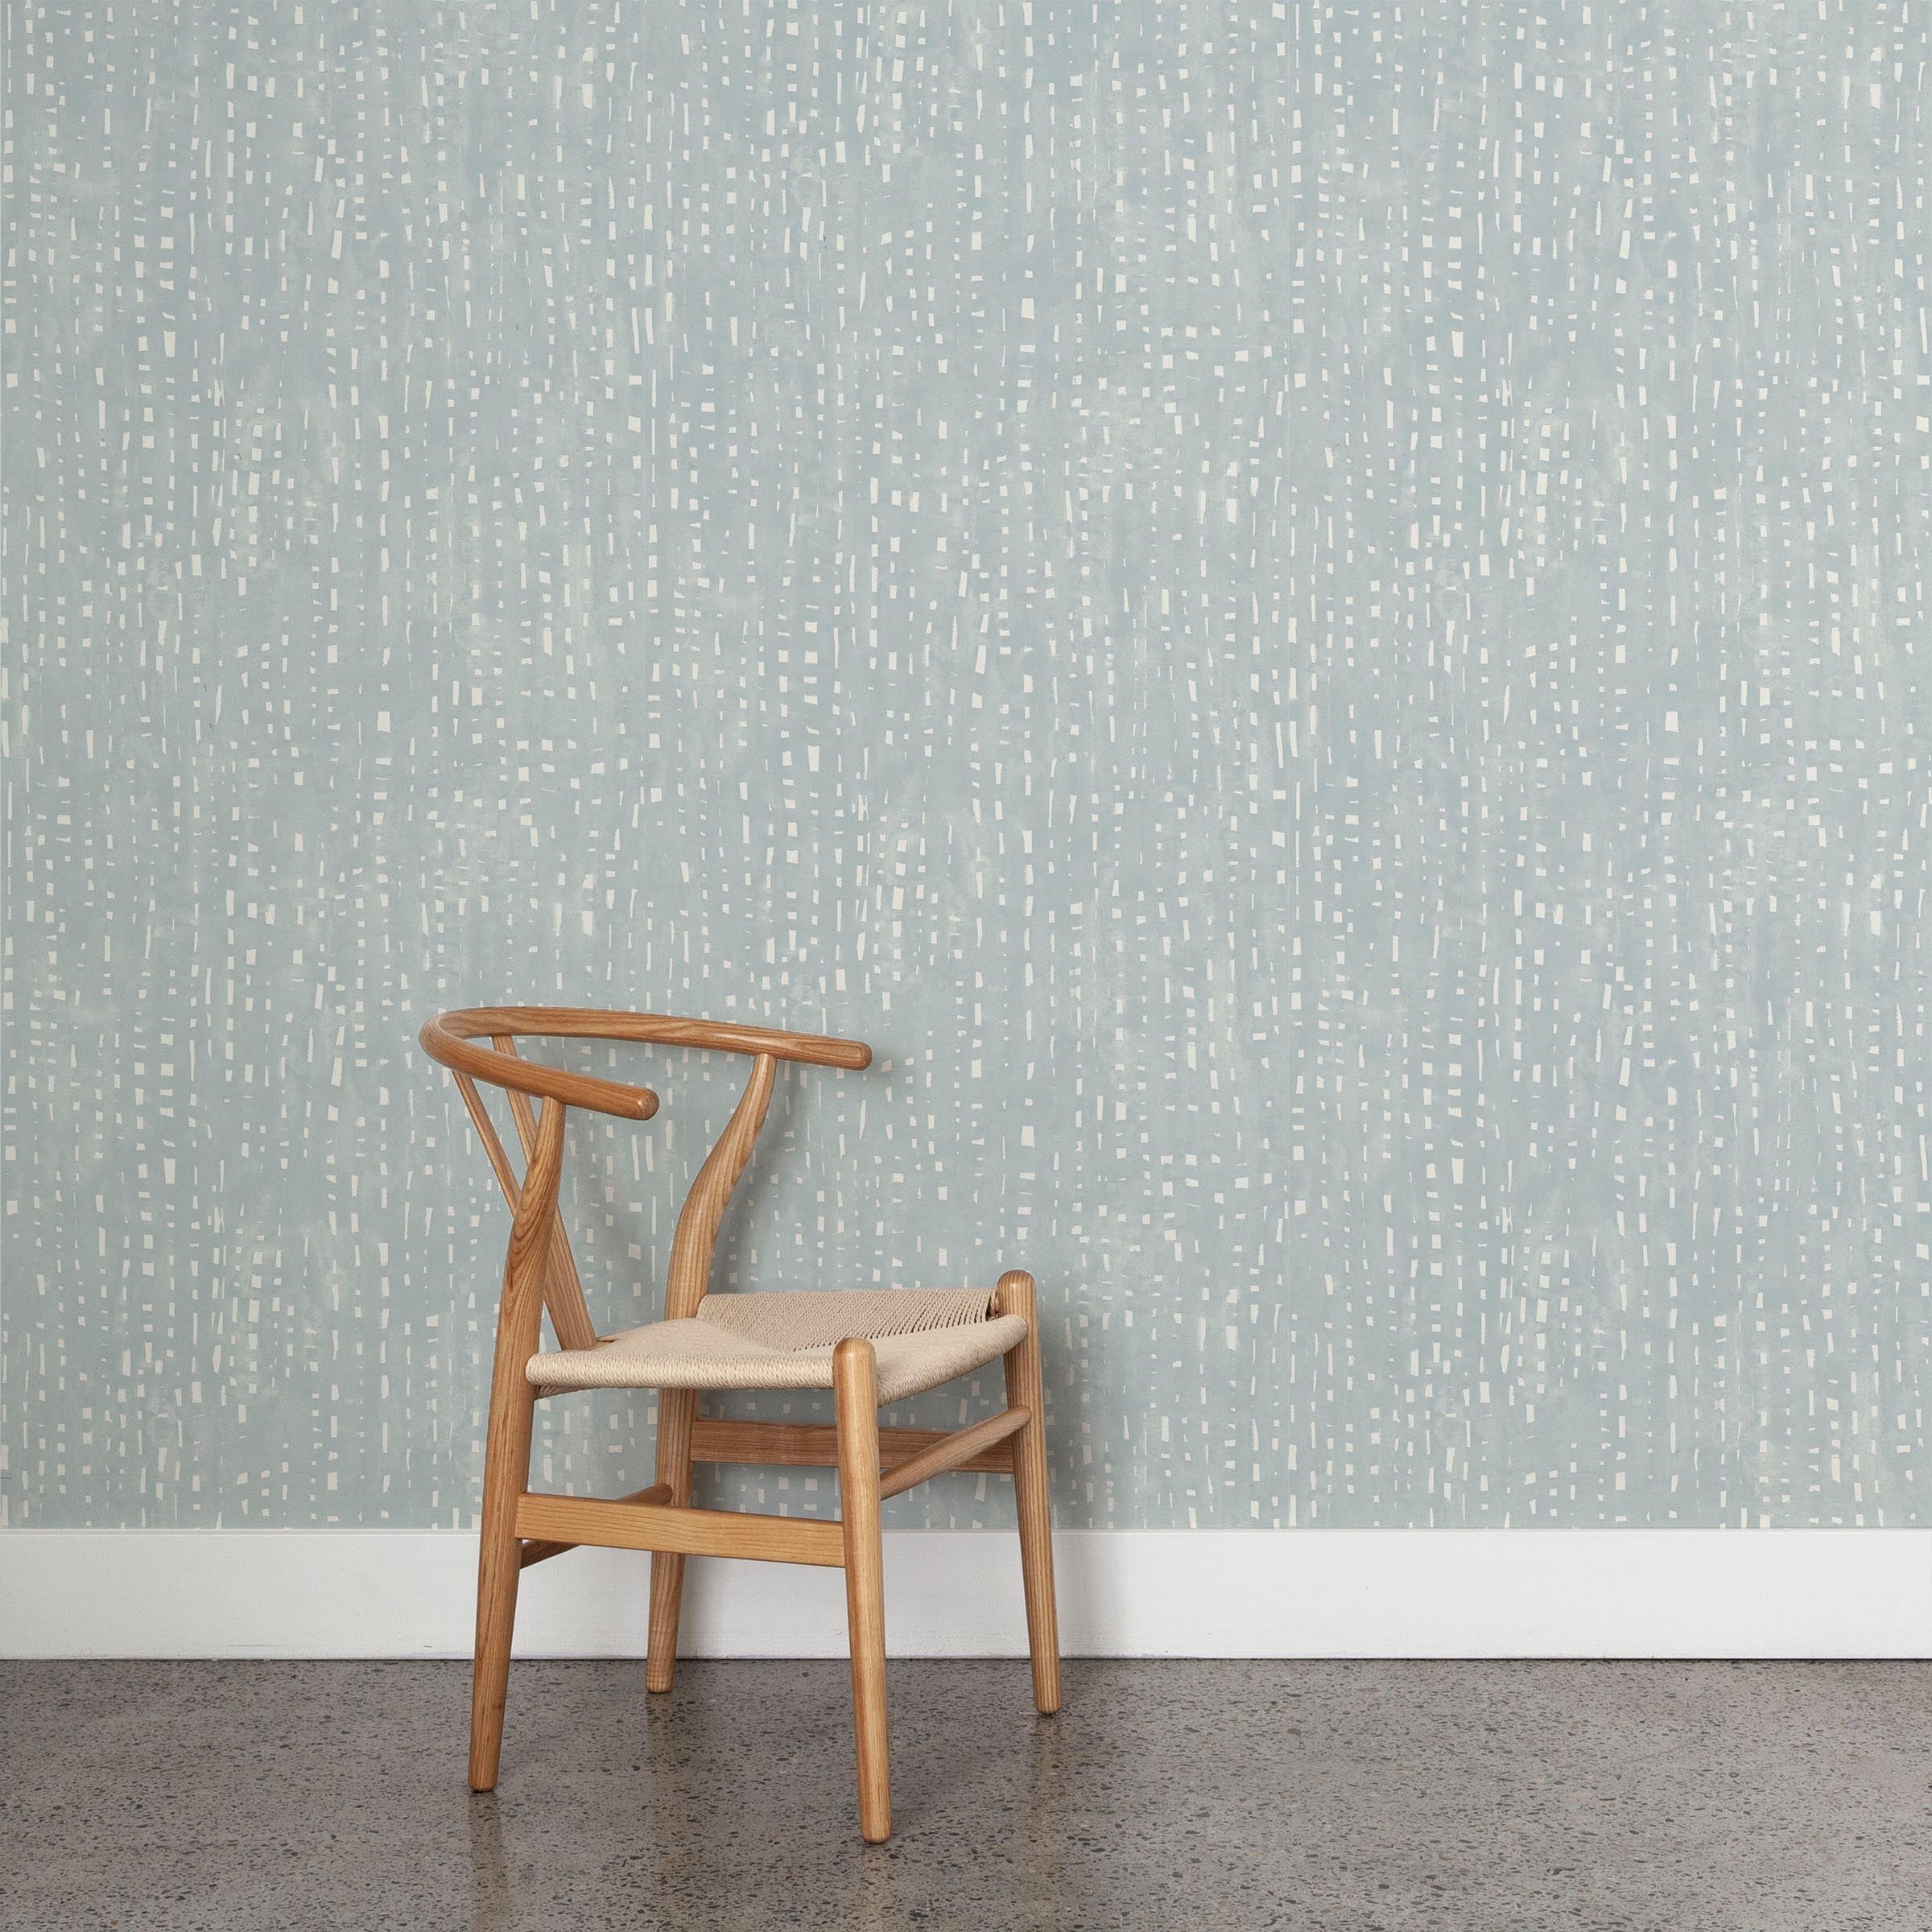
521,1527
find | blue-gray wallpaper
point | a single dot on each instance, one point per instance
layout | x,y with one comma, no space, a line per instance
1312,617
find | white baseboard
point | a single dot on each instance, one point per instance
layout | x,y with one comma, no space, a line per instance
394,1593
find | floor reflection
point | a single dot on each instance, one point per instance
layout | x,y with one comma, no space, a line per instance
491,1896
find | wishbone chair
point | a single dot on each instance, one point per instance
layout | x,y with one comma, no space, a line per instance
868,1347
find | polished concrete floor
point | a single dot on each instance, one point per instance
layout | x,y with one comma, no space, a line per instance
1352,1797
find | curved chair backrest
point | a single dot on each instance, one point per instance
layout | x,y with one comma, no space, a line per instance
451,1038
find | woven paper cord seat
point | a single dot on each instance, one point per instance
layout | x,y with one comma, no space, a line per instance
922,1337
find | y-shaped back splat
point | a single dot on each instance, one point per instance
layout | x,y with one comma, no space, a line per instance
703,1210
563,1286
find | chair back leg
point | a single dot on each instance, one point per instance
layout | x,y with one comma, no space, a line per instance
1025,1388
677,1413
506,1445
855,1386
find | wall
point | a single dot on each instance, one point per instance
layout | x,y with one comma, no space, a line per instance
1311,618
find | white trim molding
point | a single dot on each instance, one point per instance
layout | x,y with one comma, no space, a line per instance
1440,1593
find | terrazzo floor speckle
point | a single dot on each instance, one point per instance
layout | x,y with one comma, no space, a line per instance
1352,1797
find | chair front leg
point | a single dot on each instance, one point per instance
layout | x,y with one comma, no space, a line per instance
1026,1388
855,1384
499,1563
677,1412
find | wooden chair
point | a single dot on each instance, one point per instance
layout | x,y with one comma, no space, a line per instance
867,1347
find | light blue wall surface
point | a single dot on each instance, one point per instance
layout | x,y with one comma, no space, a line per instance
1313,617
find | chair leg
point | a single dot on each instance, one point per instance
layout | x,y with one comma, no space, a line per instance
506,1476
677,1411
854,1374
1026,1388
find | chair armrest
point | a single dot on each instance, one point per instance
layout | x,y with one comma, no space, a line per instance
447,1039
810,1049
667,1029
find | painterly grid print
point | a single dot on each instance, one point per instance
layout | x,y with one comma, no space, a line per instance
1312,617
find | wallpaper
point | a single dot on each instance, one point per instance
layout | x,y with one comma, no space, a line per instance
1312,617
